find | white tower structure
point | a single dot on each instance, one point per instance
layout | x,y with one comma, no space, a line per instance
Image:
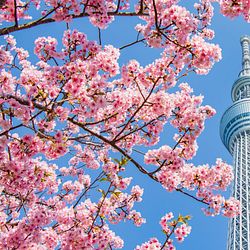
235,134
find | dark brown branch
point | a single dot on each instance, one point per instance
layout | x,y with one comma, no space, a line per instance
111,143
130,44
43,20
24,102
137,165
15,13
12,128
191,196
105,140
118,6
156,15
141,6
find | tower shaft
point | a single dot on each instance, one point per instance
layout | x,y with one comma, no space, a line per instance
238,233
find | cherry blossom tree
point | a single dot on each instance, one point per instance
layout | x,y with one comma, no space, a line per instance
72,122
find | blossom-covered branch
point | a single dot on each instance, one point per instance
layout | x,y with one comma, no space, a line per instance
72,121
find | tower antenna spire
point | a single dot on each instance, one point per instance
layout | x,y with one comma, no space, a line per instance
245,41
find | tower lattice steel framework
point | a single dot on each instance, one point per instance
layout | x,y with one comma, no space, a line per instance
235,134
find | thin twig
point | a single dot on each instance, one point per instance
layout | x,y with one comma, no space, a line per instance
86,190
130,44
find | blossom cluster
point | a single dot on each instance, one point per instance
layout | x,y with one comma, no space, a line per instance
178,227
162,14
235,8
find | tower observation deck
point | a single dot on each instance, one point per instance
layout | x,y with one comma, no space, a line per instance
235,134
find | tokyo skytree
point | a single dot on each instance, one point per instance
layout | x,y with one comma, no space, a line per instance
235,134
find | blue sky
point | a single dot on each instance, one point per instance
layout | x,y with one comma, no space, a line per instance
207,233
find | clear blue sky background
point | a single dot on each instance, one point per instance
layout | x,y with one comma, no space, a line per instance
208,233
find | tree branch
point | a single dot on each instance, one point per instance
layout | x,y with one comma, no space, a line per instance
43,20
138,166
15,13
111,143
